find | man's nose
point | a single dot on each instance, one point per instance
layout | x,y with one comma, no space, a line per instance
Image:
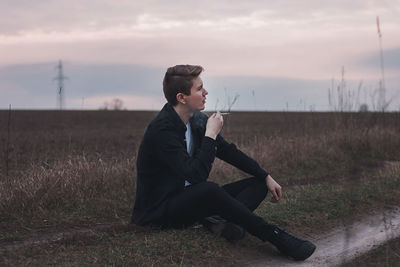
205,91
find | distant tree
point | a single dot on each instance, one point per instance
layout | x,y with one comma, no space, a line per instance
105,106
115,104
363,107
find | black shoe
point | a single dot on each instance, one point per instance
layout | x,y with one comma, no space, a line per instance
290,245
230,231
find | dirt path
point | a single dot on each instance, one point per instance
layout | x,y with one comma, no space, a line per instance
344,243
333,248
72,234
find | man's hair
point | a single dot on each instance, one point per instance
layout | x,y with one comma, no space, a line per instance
179,79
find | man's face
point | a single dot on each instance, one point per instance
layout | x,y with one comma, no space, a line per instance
197,98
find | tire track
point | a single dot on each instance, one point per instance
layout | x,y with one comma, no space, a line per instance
68,235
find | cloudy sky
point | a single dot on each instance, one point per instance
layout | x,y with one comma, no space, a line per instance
274,55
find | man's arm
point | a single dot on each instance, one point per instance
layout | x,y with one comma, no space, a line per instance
228,152
172,152
232,155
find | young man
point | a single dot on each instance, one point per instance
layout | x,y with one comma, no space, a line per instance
176,157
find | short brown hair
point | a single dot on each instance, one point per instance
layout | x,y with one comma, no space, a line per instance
179,79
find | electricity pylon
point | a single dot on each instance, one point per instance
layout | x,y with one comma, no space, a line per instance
60,89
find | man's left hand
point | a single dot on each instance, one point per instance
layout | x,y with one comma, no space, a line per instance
274,188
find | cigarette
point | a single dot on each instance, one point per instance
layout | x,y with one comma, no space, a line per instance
224,113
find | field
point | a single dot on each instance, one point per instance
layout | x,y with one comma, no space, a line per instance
63,170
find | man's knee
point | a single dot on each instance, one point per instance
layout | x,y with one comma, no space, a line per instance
261,184
259,189
210,188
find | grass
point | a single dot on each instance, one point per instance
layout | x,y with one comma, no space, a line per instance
153,248
328,204
78,168
302,210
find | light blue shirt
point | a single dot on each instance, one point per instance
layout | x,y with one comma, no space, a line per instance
189,144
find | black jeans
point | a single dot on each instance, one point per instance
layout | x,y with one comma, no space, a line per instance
234,202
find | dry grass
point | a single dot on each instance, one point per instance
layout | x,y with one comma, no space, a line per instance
71,162
77,186
74,168
303,209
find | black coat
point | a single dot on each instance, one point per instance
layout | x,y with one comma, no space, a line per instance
163,163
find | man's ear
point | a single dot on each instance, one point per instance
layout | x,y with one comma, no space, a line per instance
181,98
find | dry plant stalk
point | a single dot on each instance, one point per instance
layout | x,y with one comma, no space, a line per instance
8,140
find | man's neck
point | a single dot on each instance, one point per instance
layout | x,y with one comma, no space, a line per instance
183,113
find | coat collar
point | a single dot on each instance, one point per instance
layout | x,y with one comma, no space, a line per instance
197,121
173,117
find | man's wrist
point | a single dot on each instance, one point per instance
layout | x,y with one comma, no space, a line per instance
213,136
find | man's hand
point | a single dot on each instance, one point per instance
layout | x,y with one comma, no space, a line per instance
214,125
274,188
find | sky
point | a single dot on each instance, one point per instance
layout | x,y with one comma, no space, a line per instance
272,55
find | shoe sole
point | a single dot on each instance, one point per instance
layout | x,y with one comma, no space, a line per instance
232,232
308,249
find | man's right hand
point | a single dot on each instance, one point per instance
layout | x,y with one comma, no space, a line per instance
274,188
214,125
